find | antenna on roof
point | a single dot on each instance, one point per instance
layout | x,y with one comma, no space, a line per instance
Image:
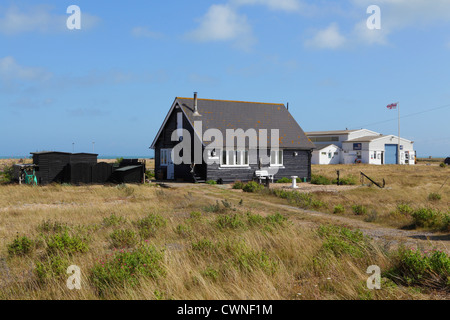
196,114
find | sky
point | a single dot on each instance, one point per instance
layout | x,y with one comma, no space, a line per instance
113,81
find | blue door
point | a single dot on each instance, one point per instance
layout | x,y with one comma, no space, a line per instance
390,154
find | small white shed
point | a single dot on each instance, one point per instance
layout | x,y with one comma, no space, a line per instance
328,154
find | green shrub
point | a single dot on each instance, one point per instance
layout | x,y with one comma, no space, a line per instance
434,196
149,225
213,208
252,187
442,165
127,267
428,269
123,238
204,246
268,222
210,273
338,209
405,209
63,243
284,180
320,180
346,181
113,220
229,221
359,210
7,174
238,185
195,215
426,217
21,246
211,182
183,230
53,267
343,241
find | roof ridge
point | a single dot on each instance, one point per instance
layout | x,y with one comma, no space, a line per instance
277,104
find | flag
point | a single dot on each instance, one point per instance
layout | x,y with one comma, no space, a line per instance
392,106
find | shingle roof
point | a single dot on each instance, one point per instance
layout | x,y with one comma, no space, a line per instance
224,114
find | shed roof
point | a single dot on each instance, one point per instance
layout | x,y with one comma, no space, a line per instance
127,168
225,114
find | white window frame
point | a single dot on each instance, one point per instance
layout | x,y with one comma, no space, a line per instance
275,158
165,155
244,158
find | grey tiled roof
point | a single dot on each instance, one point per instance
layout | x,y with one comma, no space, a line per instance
223,115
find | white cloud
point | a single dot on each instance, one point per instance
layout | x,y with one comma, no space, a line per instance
329,38
223,23
283,5
10,71
39,18
145,32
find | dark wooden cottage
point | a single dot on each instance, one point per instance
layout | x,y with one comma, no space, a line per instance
292,156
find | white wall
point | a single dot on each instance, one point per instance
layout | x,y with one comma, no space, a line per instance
322,156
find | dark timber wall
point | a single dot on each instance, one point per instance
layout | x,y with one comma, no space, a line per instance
299,165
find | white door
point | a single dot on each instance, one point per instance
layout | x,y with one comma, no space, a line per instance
170,166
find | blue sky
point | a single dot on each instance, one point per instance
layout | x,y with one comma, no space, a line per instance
114,80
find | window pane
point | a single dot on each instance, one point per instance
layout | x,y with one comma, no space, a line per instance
246,160
239,158
280,157
231,158
224,157
273,157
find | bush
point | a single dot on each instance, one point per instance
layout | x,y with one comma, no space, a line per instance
213,208
127,267
123,238
113,220
183,230
210,273
7,174
284,180
426,217
252,187
268,222
434,196
338,209
343,241
359,210
63,243
320,180
53,267
211,182
21,246
195,215
442,165
150,225
238,185
405,209
414,267
230,221
346,181
204,245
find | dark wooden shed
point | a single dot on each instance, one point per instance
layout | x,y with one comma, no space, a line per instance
52,166
129,174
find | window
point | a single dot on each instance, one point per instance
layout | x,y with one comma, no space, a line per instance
330,155
235,158
180,124
165,157
276,157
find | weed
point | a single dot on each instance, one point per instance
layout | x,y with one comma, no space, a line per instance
124,238
338,209
21,246
359,209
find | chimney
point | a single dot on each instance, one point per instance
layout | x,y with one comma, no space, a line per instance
196,114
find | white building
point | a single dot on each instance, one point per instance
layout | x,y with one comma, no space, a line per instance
359,146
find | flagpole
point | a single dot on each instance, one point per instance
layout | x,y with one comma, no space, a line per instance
398,147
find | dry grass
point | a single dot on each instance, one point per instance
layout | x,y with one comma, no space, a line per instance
233,269
240,261
409,185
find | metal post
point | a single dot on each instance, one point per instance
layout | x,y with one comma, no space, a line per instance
398,147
